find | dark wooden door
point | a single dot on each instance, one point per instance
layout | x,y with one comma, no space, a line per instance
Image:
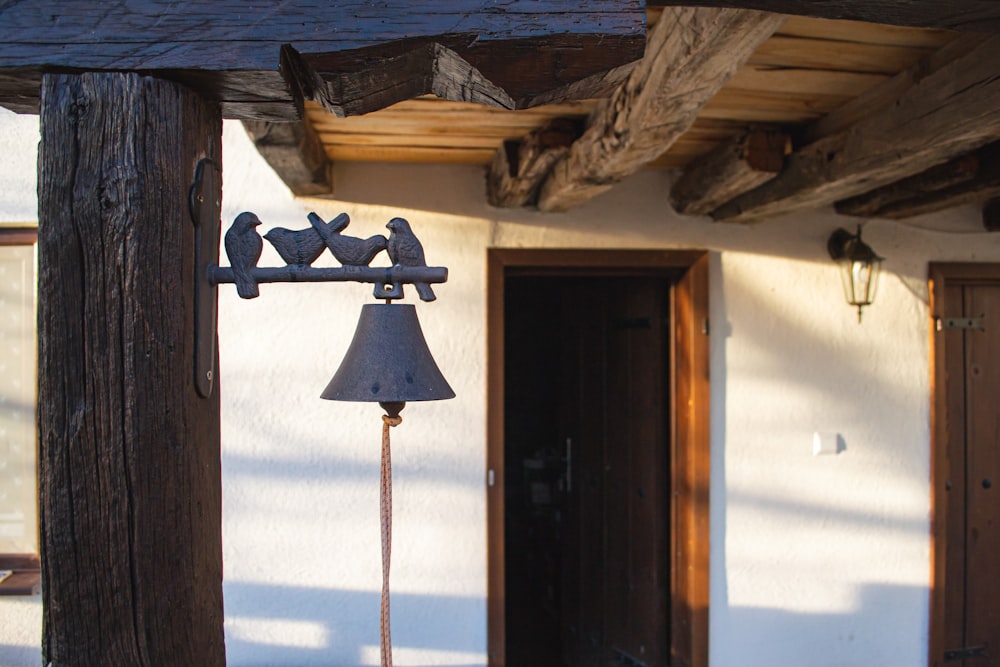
588,530
614,417
971,473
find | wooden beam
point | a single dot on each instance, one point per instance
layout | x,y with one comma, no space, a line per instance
870,102
519,167
736,166
130,488
295,153
991,215
961,15
969,178
534,50
690,55
949,112
882,96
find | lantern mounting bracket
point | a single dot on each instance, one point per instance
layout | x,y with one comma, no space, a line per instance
299,248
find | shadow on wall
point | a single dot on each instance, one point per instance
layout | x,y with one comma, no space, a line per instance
781,637
300,626
18,655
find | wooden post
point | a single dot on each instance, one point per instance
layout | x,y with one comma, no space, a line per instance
130,488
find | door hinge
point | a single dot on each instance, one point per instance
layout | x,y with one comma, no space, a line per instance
977,323
705,329
963,653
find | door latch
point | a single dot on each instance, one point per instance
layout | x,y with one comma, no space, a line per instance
963,653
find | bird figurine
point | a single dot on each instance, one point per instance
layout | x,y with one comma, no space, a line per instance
349,250
244,245
304,246
405,250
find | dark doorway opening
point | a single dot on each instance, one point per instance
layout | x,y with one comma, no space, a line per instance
584,610
586,470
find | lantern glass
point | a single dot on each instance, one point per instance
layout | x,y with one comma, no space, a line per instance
860,278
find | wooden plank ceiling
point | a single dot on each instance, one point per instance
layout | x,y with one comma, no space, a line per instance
763,114
808,68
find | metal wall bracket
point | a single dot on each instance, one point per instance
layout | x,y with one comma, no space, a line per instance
299,248
206,213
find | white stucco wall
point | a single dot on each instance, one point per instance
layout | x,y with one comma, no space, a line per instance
816,561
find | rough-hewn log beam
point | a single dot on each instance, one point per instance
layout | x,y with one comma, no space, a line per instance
519,167
965,179
295,153
949,112
690,55
991,215
230,52
884,95
736,166
962,15
863,106
129,480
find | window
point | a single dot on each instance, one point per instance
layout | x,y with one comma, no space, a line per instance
19,564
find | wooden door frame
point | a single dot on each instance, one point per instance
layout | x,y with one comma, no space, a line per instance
947,424
690,444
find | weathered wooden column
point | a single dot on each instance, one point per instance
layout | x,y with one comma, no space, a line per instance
130,474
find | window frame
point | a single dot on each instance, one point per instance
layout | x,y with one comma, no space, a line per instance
25,567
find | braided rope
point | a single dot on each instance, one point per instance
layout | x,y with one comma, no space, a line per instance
386,515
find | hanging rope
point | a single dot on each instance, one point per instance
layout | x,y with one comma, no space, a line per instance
386,513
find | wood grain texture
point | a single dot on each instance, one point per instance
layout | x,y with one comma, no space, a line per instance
865,33
963,430
982,472
731,169
876,98
690,466
129,454
962,15
864,58
684,67
230,52
968,178
799,89
947,496
949,112
519,167
295,153
513,74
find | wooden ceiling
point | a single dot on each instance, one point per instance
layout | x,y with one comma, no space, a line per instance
763,114
808,68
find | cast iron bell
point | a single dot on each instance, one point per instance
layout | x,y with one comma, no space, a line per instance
388,361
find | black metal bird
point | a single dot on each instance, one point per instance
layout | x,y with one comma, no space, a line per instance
404,249
349,250
303,246
244,245
352,251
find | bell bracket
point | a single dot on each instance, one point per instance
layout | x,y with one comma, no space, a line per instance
205,206
299,249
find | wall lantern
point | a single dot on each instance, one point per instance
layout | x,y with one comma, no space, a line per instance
859,267
388,360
